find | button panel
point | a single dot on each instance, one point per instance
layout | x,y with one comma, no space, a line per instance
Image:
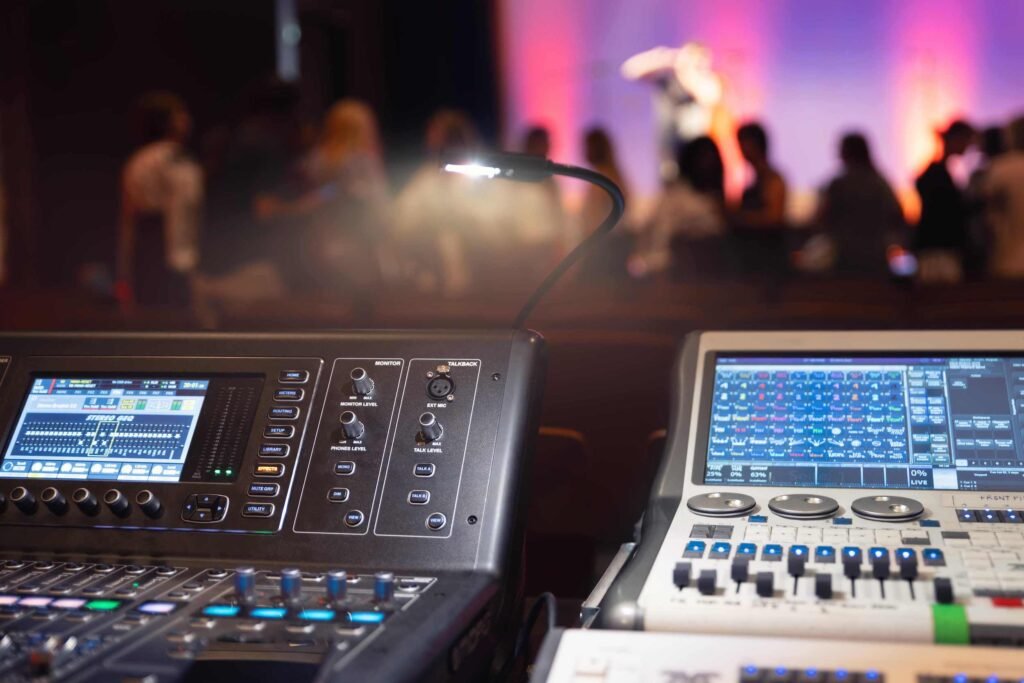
350,459
205,508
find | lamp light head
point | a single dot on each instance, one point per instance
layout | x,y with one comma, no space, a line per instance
521,167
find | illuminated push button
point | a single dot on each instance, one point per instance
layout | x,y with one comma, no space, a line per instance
54,500
338,495
317,615
268,469
419,497
988,516
354,518
345,468
362,385
258,510
933,557
366,617
423,469
117,502
720,551
270,613
24,500
290,394
1010,516
263,490
149,503
221,611
274,450
293,376
965,515
748,550
279,431
284,413
771,553
436,521
825,554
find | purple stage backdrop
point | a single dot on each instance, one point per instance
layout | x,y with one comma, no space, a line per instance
810,69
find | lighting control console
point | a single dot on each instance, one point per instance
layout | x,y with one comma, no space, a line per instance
861,486
197,507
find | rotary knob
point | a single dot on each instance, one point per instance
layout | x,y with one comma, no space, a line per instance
337,586
24,500
117,502
86,501
54,500
362,385
383,587
291,586
245,585
351,427
149,503
430,428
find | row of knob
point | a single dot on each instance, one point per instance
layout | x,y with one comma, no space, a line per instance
336,585
430,429
86,501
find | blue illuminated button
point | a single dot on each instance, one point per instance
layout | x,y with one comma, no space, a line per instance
878,553
757,519
694,549
871,675
317,615
284,413
965,515
268,612
904,554
851,554
988,516
933,557
772,553
799,550
720,551
1010,516
746,549
366,617
221,610
274,450
842,521
289,394
293,376
825,554
157,607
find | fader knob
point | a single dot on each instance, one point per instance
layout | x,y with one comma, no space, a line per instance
24,500
765,584
54,500
362,385
86,501
797,564
740,570
351,427
291,585
117,502
383,587
430,428
681,574
944,591
823,586
908,567
706,581
337,586
149,503
245,585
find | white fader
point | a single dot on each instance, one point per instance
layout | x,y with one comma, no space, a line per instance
848,485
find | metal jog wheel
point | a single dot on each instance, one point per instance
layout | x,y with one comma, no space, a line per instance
803,506
721,504
887,508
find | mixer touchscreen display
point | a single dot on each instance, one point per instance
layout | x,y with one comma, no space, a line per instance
108,428
954,423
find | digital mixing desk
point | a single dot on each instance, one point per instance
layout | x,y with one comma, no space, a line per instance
261,507
853,486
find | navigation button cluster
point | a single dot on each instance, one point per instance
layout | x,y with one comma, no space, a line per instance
205,508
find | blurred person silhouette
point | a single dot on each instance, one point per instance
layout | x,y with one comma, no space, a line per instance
437,215
161,204
859,212
258,163
941,236
536,210
759,222
991,145
689,217
609,258
340,215
1003,189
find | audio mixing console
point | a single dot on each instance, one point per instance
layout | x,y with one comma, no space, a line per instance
857,486
261,507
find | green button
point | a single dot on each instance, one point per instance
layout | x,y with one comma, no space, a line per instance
103,605
951,627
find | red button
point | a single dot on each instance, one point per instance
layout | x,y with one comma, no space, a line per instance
1007,602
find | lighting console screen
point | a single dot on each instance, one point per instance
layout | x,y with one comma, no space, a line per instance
131,428
952,423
